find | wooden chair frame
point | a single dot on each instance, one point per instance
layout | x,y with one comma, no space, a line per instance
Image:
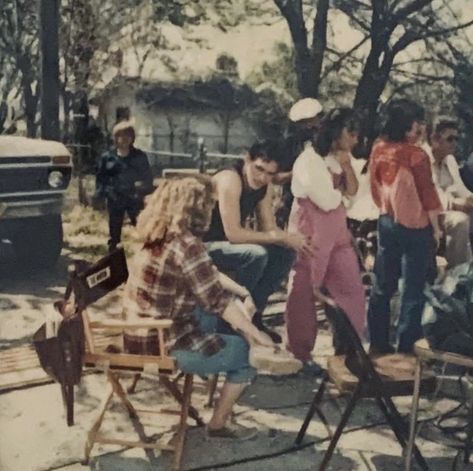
369,384
425,354
115,364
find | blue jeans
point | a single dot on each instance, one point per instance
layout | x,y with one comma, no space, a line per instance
401,252
260,269
231,359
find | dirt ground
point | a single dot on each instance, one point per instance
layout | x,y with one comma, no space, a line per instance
34,435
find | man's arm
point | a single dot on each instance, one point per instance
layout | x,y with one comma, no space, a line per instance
267,222
282,177
264,212
460,198
100,178
144,177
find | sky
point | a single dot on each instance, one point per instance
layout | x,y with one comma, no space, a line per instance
252,44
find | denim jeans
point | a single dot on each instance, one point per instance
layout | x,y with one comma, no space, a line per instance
260,269
401,252
231,359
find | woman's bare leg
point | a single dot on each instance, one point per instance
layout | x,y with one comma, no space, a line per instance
228,396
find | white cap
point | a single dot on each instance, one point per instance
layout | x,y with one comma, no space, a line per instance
305,108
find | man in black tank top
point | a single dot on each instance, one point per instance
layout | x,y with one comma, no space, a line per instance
258,259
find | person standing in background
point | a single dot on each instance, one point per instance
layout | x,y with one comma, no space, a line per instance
403,189
123,179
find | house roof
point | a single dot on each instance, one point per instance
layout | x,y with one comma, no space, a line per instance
216,92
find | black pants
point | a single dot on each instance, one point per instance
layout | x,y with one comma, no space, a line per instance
116,214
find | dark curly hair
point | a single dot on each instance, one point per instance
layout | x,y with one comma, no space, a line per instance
400,116
270,150
333,123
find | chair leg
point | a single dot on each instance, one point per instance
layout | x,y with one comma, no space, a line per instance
212,386
118,389
469,435
132,388
68,399
174,390
413,417
312,409
343,421
92,433
181,433
399,427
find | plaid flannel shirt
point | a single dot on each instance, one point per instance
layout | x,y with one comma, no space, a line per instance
169,282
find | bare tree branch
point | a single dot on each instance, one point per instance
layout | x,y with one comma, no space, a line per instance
410,36
408,10
432,78
347,10
400,89
319,39
337,64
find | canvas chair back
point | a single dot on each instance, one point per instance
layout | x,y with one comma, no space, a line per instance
91,282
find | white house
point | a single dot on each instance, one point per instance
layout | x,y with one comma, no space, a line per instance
171,116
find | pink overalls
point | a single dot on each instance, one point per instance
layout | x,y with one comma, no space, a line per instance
333,265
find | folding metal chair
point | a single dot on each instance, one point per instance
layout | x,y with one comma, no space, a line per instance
425,354
91,284
359,376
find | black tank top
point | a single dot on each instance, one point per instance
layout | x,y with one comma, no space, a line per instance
249,199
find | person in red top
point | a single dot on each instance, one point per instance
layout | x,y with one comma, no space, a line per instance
402,188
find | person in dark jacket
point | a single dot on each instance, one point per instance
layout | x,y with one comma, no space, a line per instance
123,179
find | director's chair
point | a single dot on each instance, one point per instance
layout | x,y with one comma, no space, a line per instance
90,284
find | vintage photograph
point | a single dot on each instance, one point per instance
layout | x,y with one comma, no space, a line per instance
236,234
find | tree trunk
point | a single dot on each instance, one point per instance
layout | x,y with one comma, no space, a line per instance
307,84
3,114
50,88
66,107
31,107
308,60
81,119
370,87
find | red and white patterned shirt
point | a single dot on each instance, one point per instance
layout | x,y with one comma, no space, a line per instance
401,183
168,282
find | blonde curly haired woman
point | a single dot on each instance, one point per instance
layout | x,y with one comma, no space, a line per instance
172,275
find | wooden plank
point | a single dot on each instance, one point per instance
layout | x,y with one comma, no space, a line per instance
129,360
19,366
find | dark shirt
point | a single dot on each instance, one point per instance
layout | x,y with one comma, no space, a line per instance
124,177
249,199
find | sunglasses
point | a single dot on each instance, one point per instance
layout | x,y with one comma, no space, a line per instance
451,138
